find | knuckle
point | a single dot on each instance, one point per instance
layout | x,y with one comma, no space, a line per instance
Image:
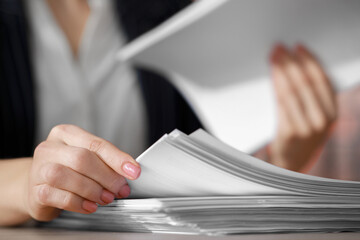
305,83
305,133
126,158
66,202
97,145
88,189
289,136
297,134
55,131
43,194
324,122
53,173
290,139
93,193
116,184
80,157
320,125
42,147
58,129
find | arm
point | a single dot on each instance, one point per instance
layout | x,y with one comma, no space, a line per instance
13,179
307,109
72,170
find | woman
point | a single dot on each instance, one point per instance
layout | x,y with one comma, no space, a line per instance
57,66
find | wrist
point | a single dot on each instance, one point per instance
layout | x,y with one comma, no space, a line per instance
13,192
24,194
21,191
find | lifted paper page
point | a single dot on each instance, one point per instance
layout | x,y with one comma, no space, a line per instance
169,172
219,49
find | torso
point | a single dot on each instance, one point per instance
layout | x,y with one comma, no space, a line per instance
83,84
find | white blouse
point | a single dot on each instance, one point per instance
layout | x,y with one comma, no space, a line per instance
95,91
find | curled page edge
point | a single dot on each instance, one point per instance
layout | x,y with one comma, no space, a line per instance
193,13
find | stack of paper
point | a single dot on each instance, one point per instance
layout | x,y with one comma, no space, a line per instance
216,52
221,215
203,186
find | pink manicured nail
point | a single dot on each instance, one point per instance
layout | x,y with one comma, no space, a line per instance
89,206
107,197
273,57
276,53
132,170
300,47
124,191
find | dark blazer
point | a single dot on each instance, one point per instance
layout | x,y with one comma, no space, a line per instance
166,109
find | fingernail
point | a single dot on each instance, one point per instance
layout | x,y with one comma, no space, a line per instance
107,197
89,206
124,191
281,51
273,57
276,50
299,46
301,49
280,47
132,170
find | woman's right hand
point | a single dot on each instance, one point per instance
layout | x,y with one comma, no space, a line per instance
75,170
307,108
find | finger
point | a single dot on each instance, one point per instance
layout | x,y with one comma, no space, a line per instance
120,162
285,131
287,92
283,118
285,124
48,196
61,177
83,162
319,79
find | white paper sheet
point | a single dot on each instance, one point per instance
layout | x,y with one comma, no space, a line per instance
168,172
200,165
216,53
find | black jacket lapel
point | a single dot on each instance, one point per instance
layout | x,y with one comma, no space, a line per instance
17,105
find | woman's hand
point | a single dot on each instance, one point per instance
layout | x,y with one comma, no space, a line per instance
74,170
306,107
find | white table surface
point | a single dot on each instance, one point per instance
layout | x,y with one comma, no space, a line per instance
54,234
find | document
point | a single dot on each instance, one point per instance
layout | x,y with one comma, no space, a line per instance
197,184
216,53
